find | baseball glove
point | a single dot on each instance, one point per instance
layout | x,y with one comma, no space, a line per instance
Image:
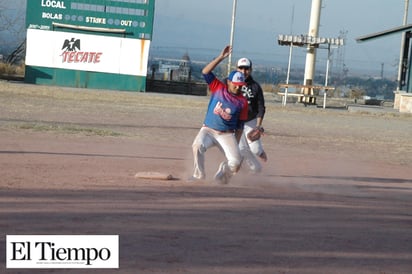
255,134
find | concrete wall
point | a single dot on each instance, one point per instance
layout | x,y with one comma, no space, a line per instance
405,103
397,101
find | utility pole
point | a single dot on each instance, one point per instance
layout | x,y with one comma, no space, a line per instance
311,50
232,34
401,61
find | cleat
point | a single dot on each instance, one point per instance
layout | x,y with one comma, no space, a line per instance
193,179
221,176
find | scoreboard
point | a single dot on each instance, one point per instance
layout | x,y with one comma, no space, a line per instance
134,18
89,43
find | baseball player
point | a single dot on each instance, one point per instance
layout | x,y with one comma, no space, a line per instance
223,124
251,150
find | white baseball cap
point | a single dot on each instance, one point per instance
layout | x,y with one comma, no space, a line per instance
237,78
244,62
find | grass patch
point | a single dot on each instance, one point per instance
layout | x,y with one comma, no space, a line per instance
9,69
66,129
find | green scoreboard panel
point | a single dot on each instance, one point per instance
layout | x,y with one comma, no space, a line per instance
135,17
64,36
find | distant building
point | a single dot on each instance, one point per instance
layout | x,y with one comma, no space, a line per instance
165,71
173,70
185,69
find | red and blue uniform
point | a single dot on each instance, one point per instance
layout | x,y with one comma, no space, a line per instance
226,111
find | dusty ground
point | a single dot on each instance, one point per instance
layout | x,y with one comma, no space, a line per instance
334,197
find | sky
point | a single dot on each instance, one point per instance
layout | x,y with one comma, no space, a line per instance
203,27
12,27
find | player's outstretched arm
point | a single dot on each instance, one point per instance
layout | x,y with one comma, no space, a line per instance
213,64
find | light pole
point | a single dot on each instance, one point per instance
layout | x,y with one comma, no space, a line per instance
401,57
308,42
311,50
285,98
326,76
232,34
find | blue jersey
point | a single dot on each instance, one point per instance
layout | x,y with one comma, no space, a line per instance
225,109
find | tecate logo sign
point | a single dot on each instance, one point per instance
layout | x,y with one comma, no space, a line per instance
62,251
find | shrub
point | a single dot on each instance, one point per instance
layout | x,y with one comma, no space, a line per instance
8,69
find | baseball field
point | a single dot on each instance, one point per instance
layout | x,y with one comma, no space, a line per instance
334,197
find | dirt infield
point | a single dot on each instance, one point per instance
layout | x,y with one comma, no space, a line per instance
334,197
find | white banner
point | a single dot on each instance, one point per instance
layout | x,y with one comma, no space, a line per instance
62,251
86,52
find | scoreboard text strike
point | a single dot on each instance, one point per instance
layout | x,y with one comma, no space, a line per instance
89,43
